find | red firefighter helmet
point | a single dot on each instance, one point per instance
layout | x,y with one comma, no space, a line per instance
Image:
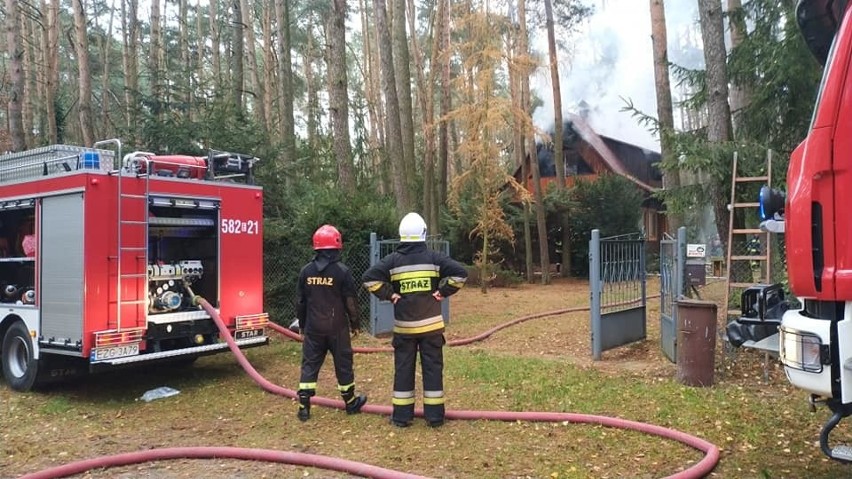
327,237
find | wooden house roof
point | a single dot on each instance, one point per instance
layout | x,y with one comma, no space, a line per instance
631,162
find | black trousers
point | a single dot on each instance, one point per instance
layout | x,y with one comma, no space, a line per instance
314,349
431,349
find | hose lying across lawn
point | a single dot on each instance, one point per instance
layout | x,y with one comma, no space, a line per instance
700,469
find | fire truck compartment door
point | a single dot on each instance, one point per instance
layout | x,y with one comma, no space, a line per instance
61,276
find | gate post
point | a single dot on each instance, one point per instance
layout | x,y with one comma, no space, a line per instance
595,288
680,266
374,302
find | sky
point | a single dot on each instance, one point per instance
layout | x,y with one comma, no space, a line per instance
612,62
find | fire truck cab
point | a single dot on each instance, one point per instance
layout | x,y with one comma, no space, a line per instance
102,257
815,341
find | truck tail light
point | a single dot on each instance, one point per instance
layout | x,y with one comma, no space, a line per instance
112,338
252,321
803,351
251,326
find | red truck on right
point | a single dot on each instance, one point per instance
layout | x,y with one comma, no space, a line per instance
815,215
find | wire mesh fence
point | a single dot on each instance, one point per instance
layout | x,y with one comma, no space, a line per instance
771,271
281,272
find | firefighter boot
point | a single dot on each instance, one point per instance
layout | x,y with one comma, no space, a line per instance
357,403
304,406
353,403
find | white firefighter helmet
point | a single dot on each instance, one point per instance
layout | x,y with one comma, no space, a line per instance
412,228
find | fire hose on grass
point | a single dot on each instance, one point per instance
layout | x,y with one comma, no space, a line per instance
700,469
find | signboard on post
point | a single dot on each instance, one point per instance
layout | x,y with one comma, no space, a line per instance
695,273
696,250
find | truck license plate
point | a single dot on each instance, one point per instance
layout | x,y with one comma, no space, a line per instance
248,333
113,352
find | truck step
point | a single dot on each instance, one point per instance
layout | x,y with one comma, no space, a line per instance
842,452
209,348
165,318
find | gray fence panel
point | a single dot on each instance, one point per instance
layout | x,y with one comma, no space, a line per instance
618,291
672,277
381,312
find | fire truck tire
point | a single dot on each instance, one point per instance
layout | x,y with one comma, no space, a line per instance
19,365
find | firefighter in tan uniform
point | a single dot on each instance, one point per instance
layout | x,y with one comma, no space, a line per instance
326,310
416,279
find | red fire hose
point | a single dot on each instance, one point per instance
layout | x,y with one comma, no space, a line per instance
700,469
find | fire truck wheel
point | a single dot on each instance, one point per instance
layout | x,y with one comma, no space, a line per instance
19,366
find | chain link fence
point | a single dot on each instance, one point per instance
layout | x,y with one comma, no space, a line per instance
281,272
745,271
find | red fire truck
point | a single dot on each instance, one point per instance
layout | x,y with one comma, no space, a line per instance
103,255
815,341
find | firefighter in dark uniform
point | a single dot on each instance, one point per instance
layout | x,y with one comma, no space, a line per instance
326,310
416,279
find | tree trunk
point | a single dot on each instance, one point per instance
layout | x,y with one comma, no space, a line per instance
247,24
392,119
237,59
285,83
517,57
216,45
427,106
106,42
719,113
41,61
131,66
269,67
52,63
338,97
28,65
310,87
544,253
16,77
446,105
154,60
371,92
558,152
665,114
185,58
402,75
739,95
84,102
200,76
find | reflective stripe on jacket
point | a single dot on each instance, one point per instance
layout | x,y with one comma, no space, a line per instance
415,272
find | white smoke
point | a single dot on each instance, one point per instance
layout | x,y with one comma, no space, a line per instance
611,63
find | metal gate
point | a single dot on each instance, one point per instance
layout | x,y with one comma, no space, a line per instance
617,283
381,312
672,277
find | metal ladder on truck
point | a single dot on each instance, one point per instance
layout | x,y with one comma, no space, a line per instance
132,198
758,255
